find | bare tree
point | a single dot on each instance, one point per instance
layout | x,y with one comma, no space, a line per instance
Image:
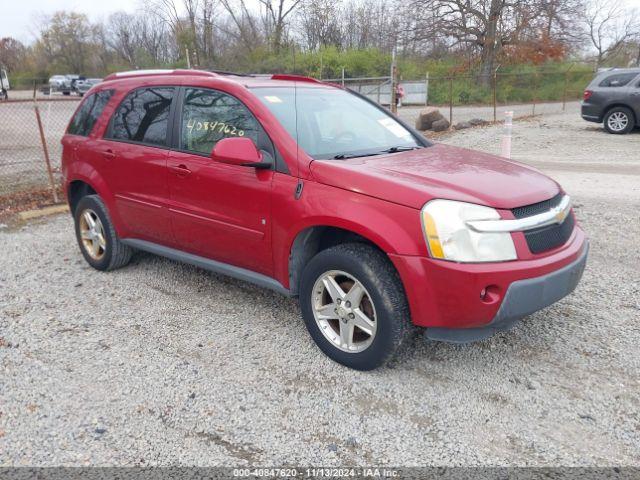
66,38
487,25
12,53
609,25
319,24
277,13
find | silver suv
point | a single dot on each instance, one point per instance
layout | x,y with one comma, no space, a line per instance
613,98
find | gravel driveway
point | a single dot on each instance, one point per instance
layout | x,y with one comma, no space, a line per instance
161,363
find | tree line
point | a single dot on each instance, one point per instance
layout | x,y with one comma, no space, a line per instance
320,37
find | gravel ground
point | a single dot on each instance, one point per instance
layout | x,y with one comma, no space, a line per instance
161,363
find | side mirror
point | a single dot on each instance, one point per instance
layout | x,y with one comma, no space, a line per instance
239,151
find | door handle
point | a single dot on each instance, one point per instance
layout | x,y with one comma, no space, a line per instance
180,170
108,154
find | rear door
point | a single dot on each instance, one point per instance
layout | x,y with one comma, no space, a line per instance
219,211
135,151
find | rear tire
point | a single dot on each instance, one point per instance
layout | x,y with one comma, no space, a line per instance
619,120
375,315
97,238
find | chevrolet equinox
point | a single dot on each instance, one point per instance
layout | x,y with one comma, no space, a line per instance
314,191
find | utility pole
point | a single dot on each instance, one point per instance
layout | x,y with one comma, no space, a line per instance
394,82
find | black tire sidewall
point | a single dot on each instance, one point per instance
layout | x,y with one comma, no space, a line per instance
627,112
94,203
386,339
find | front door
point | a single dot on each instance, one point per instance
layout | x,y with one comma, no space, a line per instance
135,152
219,211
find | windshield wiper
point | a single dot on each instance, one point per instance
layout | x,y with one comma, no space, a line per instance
396,149
399,149
343,156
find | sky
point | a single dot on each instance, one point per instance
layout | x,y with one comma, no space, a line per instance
18,18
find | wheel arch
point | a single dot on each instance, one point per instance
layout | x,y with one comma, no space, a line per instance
76,190
313,239
87,181
636,118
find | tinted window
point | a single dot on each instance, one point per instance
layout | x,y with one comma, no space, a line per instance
87,115
143,116
618,80
209,116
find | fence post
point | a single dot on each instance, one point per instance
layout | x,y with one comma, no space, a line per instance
394,83
343,76
451,100
566,85
45,150
495,94
426,91
535,94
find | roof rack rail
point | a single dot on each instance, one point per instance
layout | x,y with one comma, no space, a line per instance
146,73
235,74
295,78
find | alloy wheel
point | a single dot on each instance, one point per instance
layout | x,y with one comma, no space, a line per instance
92,234
344,311
618,121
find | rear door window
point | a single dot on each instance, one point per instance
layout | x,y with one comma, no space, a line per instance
618,80
143,116
87,115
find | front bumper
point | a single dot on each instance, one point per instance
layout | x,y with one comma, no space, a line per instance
448,296
523,298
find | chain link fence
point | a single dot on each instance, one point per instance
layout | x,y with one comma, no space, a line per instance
465,97
30,131
33,120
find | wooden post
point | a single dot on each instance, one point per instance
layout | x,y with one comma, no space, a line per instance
566,86
495,95
45,150
535,95
426,91
451,100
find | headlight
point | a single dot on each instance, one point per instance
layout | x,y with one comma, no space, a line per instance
449,237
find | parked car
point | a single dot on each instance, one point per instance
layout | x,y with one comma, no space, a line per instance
58,83
64,84
613,98
316,192
4,84
83,86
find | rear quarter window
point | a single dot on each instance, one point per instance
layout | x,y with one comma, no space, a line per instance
618,80
87,115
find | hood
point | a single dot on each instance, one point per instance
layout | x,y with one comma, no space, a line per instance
441,171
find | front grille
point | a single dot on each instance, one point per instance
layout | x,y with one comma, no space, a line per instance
546,238
536,208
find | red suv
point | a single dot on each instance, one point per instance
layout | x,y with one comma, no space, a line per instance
316,192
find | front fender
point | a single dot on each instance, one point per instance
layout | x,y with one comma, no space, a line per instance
394,228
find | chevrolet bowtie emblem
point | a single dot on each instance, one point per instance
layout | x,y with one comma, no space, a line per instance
561,215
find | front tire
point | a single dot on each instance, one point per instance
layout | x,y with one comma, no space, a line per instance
97,238
619,120
354,306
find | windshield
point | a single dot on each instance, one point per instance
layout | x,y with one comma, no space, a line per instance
333,123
